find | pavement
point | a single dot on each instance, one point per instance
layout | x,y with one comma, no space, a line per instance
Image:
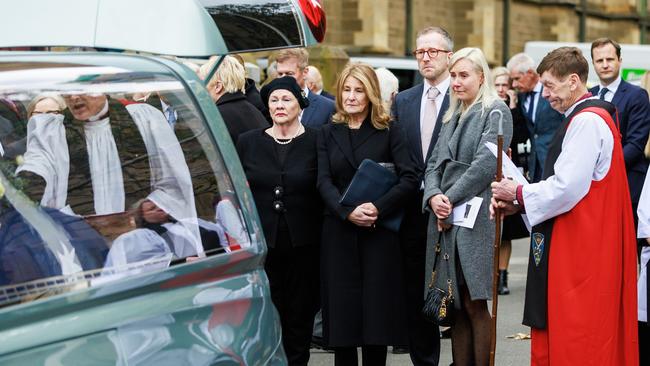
509,352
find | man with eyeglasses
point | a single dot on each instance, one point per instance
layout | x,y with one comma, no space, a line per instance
420,110
542,120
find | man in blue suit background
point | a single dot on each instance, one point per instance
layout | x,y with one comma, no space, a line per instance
541,119
633,110
419,110
293,62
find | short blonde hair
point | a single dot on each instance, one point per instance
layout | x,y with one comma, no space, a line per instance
367,77
299,54
487,94
39,98
500,71
230,73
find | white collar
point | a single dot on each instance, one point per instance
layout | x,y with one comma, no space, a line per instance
100,114
538,87
573,107
613,86
442,86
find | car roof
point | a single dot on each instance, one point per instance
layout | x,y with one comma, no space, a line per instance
187,28
154,26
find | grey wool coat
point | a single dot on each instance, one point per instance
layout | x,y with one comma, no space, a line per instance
461,167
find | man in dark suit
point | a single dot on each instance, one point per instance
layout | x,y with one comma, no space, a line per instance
541,119
293,62
420,110
633,109
314,82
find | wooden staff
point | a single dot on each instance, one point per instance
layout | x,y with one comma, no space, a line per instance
497,241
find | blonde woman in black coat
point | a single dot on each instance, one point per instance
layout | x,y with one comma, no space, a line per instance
362,290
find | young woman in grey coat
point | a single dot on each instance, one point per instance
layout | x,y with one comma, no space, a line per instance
461,168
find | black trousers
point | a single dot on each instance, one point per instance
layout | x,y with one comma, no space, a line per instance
293,276
370,356
644,343
424,336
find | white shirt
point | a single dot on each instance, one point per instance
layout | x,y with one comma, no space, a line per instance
644,232
644,210
611,89
442,88
586,155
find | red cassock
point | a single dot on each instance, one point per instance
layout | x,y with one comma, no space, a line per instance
592,314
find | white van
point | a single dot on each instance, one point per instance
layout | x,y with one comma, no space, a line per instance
636,58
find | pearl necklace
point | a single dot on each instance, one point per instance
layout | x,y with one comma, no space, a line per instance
289,140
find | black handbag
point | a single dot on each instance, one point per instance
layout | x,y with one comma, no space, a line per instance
439,303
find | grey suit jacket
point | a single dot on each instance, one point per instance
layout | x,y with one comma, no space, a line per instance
461,168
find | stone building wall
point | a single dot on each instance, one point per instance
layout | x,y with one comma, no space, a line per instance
379,26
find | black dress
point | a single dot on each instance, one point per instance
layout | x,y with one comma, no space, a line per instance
282,178
362,288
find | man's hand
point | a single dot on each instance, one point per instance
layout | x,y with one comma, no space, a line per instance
507,208
505,190
513,98
441,206
363,215
152,213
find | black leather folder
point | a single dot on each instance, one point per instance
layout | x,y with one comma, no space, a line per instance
370,182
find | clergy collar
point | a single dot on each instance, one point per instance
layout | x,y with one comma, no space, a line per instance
573,107
101,115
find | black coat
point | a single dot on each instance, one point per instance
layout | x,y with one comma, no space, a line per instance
239,115
361,272
259,157
253,96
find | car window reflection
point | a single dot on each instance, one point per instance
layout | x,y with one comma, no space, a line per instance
129,176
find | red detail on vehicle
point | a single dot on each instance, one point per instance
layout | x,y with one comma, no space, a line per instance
315,15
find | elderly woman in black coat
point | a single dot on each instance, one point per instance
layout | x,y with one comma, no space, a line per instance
281,166
362,290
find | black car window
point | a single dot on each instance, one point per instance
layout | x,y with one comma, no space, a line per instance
250,25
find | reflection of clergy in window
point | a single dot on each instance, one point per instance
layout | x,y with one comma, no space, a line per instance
117,156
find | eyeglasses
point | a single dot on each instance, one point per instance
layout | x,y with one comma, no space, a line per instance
432,52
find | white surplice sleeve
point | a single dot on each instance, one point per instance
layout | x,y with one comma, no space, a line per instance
586,156
644,210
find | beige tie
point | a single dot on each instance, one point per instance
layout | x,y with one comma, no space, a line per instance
429,120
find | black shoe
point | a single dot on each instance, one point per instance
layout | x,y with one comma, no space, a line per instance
503,282
400,350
